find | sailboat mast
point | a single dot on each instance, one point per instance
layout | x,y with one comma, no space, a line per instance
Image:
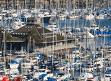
86,4
35,4
4,48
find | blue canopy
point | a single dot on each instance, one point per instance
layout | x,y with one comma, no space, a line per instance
51,79
13,62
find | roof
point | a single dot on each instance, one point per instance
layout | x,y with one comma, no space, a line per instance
28,28
37,33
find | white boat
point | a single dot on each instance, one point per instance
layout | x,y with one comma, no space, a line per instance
48,75
45,16
87,76
14,66
66,76
54,12
5,11
101,16
94,26
24,10
62,16
43,13
37,74
13,71
88,35
26,64
53,28
18,24
34,10
74,17
28,15
14,14
0,17
89,17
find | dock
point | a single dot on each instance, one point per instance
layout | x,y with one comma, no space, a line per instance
49,49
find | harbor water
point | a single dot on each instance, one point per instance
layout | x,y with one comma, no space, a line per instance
81,23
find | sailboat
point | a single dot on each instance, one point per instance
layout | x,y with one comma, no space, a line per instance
18,24
89,17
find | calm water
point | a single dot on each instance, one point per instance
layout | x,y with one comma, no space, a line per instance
86,23
100,41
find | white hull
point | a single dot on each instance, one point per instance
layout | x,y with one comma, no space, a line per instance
89,17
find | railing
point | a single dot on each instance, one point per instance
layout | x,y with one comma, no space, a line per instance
59,46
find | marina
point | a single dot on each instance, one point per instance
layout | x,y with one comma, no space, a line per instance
55,40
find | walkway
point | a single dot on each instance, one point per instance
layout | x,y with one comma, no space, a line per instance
49,49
